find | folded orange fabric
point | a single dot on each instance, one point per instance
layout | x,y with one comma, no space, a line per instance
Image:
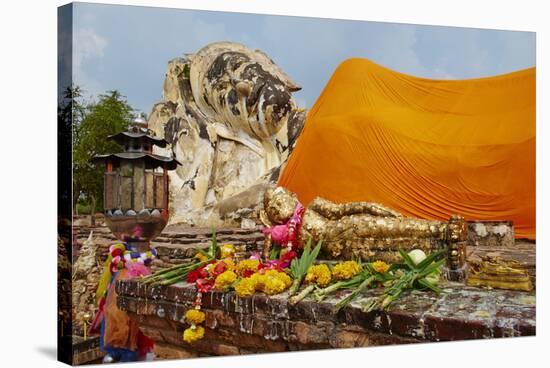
427,148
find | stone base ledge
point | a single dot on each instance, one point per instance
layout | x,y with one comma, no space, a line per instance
267,324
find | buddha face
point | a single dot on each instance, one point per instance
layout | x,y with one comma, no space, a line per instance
279,204
243,88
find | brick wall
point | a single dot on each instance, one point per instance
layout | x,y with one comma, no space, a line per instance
261,324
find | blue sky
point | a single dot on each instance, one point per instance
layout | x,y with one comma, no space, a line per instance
128,47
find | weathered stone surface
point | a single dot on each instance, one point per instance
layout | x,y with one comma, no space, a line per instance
231,121
264,324
168,351
85,276
86,351
491,233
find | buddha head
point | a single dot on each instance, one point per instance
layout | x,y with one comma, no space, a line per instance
279,204
243,88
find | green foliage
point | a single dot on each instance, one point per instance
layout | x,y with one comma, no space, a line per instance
110,115
300,266
415,276
70,111
83,209
275,252
171,275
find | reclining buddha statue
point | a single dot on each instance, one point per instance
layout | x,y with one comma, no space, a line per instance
362,230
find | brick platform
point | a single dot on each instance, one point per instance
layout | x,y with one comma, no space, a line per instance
268,324
316,328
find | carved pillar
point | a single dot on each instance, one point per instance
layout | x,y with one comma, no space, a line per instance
456,266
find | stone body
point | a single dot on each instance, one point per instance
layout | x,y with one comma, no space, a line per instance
231,121
364,230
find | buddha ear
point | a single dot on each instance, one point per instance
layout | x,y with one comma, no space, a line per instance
277,71
268,195
264,219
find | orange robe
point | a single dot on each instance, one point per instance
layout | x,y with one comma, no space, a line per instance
427,148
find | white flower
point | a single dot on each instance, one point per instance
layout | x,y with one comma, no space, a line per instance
417,255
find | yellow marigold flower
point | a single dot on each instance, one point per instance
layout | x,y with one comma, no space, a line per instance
258,280
245,287
229,263
319,274
227,251
247,265
283,276
380,266
346,270
225,279
190,335
274,285
194,316
201,257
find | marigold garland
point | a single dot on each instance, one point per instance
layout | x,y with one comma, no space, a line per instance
195,316
193,333
346,270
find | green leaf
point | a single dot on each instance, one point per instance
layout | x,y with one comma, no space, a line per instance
300,266
398,266
408,260
431,268
428,285
315,252
213,248
275,252
432,257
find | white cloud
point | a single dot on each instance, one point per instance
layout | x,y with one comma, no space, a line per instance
88,46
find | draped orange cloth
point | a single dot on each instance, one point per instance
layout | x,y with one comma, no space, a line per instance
427,148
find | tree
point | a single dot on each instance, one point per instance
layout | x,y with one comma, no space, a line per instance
110,115
70,112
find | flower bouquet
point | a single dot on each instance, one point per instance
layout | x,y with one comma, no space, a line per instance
419,272
171,275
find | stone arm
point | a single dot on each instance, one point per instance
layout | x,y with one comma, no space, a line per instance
335,211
